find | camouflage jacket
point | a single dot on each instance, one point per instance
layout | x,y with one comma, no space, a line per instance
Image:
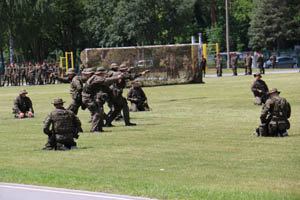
234,60
219,62
136,95
22,105
63,122
276,108
248,61
259,85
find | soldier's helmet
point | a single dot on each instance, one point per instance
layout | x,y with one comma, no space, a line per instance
71,71
88,71
100,70
273,90
23,91
58,101
114,66
123,67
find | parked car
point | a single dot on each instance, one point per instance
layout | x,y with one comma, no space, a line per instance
283,62
144,63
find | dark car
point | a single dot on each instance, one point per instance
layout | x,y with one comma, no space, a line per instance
283,62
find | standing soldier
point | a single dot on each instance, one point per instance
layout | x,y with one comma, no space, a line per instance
273,60
38,68
75,89
248,64
65,127
203,65
6,74
219,65
51,74
31,74
120,103
260,62
234,61
15,74
23,74
58,70
94,95
44,71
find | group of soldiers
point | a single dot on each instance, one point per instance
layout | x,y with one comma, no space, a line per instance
275,112
90,91
30,74
247,63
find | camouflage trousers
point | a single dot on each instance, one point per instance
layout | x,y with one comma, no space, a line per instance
97,115
274,128
56,141
119,103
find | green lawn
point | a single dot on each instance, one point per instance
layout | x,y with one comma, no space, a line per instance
196,143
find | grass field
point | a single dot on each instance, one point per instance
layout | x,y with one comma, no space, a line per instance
196,143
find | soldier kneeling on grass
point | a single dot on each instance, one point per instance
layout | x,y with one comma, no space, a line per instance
137,98
23,106
65,127
274,116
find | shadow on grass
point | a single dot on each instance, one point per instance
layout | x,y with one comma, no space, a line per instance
172,100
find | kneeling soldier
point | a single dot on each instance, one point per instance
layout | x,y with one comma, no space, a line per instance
274,116
137,98
65,127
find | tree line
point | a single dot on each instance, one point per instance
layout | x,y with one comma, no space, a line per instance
35,30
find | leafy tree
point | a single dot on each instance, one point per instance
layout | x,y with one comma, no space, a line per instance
268,28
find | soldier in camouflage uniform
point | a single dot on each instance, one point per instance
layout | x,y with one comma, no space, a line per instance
94,95
274,116
260,62
15,74
75,90
234,61
273,60
39,78
219,64
203,65
248,64
137,98
31,74
65,126
22,74
7,75
23,106
259,89
119,102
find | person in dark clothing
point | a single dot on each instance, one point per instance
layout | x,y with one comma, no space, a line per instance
137,98
259,89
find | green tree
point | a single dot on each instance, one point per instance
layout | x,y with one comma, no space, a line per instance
268,27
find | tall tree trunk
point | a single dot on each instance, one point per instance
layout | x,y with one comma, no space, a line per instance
11,46
212,12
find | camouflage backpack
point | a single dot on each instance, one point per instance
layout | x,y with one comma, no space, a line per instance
63,122
282,108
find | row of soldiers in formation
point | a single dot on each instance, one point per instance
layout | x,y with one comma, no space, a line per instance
30,74
247,63
90,91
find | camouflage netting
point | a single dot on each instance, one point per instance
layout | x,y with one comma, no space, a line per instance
169,64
